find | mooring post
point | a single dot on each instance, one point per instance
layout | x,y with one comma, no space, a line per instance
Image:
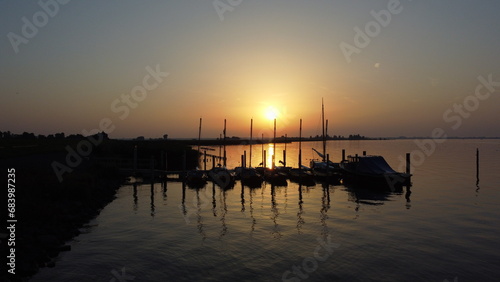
166,161
213,161
284,157
135,159
152,165
205,160
183,160
244,158
408,163
343,154
161,160
242,161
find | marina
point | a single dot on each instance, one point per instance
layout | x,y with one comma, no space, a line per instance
249,234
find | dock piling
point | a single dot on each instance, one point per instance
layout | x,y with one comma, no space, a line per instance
408,163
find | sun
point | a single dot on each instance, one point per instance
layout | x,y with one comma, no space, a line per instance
271,113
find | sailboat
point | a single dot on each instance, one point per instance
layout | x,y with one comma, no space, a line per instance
196,178
220,174
324,168
301,174
249,175
273,175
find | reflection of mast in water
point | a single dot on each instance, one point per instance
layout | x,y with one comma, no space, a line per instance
152,199
300,220
223,216
198,215
183,203
214,206
325,206
251,210
407,197
276,213
242,198
164,191
135,206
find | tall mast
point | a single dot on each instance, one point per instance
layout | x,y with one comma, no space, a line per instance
323,128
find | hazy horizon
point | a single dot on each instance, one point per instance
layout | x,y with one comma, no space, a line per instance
384,68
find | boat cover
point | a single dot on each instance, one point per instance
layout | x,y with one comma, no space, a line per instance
375,165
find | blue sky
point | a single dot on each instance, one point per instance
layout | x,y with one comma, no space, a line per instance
246,58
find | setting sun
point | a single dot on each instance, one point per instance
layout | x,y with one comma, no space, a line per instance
271,113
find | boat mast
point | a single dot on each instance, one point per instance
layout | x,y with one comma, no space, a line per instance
323,128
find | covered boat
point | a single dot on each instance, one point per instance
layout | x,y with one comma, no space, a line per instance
372,170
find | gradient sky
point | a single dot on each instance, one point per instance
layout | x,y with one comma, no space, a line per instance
281,54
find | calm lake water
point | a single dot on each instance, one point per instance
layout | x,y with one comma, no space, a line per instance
446,229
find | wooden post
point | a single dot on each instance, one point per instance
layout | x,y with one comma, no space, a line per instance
135,159
274,146
251,129
343,154
213,161
183,160
284,157
205,160
408,163
161,160
166,161
152,165
300,145
224,160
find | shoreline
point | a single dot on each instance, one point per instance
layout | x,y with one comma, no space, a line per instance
50,214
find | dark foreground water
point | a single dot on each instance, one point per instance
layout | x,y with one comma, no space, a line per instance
446,229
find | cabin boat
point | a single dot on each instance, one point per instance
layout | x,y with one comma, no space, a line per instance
222,177
372,170
196,178
249,176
